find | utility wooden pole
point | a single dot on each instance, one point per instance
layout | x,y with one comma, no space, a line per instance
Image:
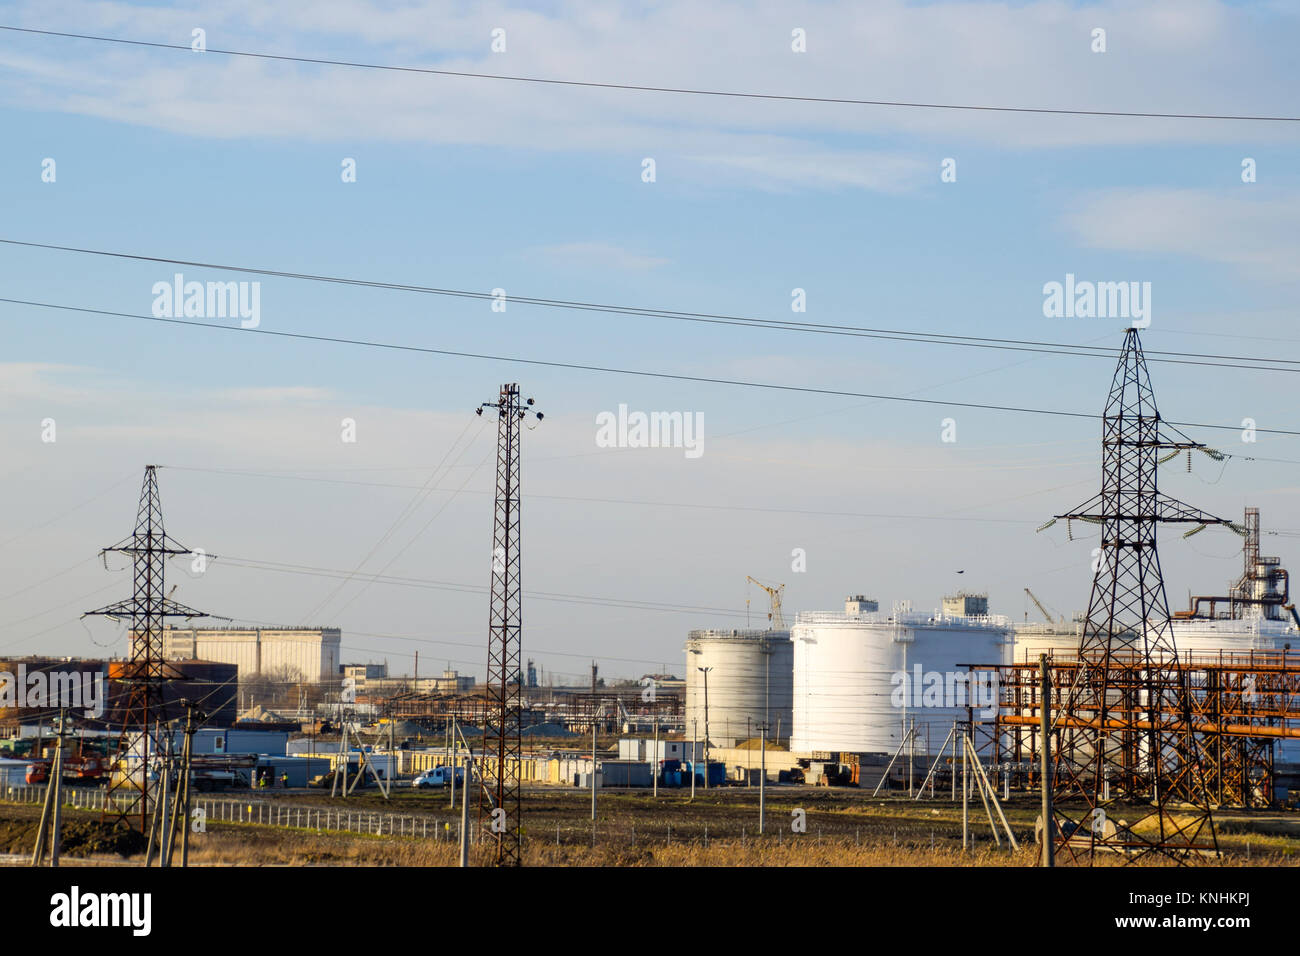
181,817
50,832
56,824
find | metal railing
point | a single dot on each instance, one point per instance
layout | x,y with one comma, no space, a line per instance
269,813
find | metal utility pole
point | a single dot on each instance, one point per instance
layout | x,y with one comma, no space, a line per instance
965,794
464,811
144,671
705,672
1116,719
1045,760
502,743
455,748
655,755
767,719
695,752
911,755
593,743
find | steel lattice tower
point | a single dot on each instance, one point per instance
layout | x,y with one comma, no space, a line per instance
140,745
1136,768
501,734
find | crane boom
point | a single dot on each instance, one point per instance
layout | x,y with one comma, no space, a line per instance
1039,604
776,620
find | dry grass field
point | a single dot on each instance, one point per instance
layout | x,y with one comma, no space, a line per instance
718,828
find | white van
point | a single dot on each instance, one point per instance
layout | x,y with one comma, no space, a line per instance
438,777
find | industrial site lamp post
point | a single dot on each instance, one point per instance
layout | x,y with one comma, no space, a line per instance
705,672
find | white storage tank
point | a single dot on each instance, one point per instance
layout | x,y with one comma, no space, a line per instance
1195,639
746,669
1059,639
859,676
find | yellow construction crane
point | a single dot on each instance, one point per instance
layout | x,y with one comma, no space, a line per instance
1038,604
774,617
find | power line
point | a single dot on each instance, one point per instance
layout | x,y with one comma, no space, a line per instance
401,581
423,528
1258,363
64,514
408,511
590,84
603,500
668,376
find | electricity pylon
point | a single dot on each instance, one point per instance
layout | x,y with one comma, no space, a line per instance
140,746
502,744
1126,743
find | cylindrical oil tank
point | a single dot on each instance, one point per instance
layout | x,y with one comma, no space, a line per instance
749,682
859,679
1195,639
1059,640
1210,640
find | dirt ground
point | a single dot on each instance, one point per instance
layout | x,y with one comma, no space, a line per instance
805,826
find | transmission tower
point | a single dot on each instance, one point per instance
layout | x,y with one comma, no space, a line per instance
1127,748
140,746
501,733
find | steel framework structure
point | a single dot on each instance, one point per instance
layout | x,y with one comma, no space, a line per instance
1240,705
144,673
1127,739
499,799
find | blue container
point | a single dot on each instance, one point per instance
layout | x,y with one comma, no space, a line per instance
717,773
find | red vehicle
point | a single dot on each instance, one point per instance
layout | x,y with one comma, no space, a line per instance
84,767
88,767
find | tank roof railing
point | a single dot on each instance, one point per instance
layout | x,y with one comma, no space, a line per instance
906,619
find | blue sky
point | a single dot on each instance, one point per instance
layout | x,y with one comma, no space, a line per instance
478,184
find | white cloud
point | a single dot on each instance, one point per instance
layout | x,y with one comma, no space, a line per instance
1190,56
43,382
1256,236
274,393
782,169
